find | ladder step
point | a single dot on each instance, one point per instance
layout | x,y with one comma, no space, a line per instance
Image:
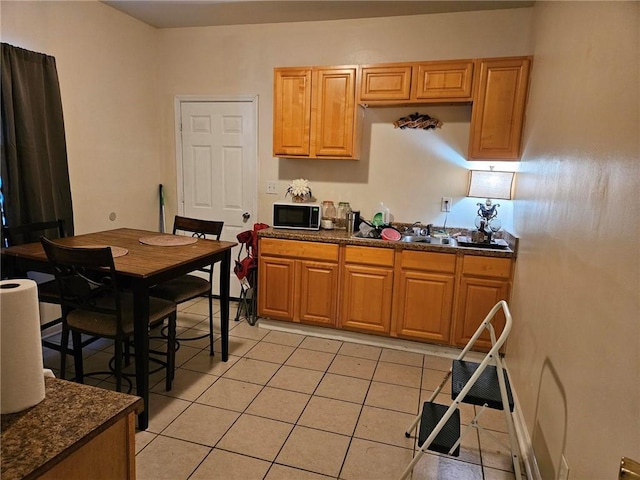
485,390
432,413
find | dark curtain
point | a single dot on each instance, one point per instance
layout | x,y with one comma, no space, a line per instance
35,174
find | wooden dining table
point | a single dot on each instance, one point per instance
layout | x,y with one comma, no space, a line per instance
138,269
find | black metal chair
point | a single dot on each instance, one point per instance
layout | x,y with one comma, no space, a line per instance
47,286
188,287
93,304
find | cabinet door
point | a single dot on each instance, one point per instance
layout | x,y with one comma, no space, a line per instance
291,111
318,292
477,297
424,307
366,301
497,117
276,288
385,83
333,112
444,81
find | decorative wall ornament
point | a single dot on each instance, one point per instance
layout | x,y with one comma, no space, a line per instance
417,120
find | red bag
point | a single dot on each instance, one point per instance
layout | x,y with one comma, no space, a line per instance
243,267
249,241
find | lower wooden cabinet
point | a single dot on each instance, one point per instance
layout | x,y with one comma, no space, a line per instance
275,287
367,289
298,281
483,283
423,296
427,296
318,292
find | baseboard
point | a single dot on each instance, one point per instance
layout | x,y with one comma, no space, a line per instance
524,439
365,339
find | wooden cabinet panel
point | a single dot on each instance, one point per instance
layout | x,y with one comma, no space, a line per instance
424,305
444,81
486,266
333,112
366,298
276,287
318,292
428,261
299,249
369,255
109,455
476,298
423,295
292,111
499,103
385,83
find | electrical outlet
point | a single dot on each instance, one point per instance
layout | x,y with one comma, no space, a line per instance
563,473
272,188
445,204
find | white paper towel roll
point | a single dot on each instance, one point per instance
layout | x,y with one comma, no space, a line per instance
22,379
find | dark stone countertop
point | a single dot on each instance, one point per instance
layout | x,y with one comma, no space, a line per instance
71,414
341,237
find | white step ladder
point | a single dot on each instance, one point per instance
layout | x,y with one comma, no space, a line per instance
485,384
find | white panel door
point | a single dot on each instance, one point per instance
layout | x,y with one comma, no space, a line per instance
219,164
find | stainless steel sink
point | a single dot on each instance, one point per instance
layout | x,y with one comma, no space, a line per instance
415,238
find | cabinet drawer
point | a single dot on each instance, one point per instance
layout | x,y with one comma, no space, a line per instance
369,256
486,266
385,83
444,80
429,261
298,249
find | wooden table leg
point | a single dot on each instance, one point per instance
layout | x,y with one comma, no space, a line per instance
141,341
225,265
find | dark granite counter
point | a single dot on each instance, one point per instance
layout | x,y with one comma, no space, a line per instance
341,237
36,439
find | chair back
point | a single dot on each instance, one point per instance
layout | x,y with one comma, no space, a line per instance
31,232
198,228
86,278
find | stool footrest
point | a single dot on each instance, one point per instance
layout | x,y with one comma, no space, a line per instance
432,413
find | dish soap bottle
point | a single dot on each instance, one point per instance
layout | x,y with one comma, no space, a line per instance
381,215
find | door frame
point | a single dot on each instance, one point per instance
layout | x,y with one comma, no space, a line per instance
178,101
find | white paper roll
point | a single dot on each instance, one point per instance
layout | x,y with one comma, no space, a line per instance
22,379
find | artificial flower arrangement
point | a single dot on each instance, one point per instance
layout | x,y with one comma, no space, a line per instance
299,190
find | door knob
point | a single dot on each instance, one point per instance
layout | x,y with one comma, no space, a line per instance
246,216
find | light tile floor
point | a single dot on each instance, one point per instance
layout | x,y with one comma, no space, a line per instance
290,406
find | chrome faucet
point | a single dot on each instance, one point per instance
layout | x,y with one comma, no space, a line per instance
425,232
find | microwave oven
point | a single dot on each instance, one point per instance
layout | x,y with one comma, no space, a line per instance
300,216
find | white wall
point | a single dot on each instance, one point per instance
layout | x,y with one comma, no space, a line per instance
574,351
407,169
106,64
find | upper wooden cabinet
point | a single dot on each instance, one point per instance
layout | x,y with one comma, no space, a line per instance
497,117
443,81
291,111
424,82
385,83
315,112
